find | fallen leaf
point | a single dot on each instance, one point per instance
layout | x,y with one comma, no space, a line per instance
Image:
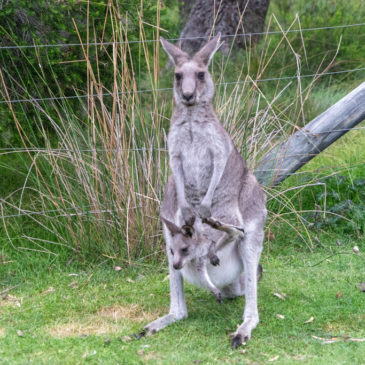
20,333
140,352
166,278
356,249
117,268
330,341
243,351
280,316
326,340
311,319
357,339
50,290
270,236
73,285
299,357
107,341
126,338
362,287
274,358
281,296
339,295
129,280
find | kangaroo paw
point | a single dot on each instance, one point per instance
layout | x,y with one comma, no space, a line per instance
212,222
214,260
237,341
218,297
139,335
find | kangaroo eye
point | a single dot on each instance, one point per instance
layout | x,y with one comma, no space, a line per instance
172,252
178,76
201,75
184,250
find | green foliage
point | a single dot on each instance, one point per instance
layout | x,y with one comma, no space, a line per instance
344,201
62,71
323,43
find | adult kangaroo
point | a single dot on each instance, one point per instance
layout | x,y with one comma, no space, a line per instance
209,179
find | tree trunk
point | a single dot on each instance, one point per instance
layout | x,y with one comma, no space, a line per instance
185,7
229,17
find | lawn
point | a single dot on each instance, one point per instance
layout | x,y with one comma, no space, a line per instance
67,314
82,265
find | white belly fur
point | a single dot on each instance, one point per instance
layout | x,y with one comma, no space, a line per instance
226,273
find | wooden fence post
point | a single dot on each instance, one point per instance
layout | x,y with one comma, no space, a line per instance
312,139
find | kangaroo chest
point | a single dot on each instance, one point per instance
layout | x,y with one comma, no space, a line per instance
197,143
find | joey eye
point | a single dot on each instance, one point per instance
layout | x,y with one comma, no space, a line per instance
184,250
178,76
201,76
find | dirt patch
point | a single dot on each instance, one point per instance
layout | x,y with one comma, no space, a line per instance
9,301
132,313
92,327
107,320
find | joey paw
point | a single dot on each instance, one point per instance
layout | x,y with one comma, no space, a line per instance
212,222
205,211
214,260
188,215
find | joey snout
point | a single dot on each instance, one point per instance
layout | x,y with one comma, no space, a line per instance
177,265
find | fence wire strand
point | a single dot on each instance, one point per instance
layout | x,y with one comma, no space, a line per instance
80,211
181,39
170,88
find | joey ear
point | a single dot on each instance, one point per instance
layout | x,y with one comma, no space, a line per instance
172,227
176,55
206,53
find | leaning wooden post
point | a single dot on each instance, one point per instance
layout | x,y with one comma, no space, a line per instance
312,139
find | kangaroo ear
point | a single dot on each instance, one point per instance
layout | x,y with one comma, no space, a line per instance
207,52
187,231
176,55
172,227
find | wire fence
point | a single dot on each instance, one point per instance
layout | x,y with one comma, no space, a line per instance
344,26
10,150
29,100
87,210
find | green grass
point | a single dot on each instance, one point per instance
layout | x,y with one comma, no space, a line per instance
79,312
87,311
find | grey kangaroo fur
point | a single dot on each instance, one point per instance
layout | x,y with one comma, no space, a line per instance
210,177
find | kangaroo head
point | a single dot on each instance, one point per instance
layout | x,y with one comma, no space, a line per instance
186,245
193,83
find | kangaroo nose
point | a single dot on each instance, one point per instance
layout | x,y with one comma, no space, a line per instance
188,96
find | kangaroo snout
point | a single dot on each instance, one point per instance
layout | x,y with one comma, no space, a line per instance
188,98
